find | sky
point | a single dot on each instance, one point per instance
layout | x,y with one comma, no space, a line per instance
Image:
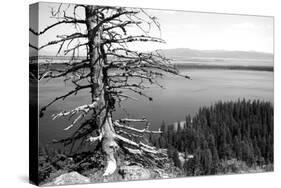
209,31
183,29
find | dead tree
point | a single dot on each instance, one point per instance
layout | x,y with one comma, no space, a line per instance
109,71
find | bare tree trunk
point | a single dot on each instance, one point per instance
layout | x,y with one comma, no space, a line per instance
98,91
106,87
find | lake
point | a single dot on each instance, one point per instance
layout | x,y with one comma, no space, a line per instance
179,97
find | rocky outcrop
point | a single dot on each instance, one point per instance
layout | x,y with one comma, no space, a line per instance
127,171
68,179
134,173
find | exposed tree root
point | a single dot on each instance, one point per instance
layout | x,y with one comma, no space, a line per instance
108,137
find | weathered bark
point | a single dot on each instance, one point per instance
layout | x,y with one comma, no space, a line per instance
98,90
109,146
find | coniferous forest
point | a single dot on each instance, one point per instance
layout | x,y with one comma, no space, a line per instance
221,138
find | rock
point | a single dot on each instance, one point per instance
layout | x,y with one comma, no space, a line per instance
134,173
162,174
69,178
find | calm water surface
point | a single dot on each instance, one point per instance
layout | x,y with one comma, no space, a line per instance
179,97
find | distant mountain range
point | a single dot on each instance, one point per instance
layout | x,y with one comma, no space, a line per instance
194,58
186,53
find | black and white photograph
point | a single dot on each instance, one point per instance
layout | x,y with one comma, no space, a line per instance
127,93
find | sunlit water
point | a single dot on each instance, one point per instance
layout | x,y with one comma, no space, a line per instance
179,98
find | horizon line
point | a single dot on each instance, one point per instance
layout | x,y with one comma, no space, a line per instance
194,49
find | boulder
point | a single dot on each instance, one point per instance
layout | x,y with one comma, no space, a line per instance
134,173
69,178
